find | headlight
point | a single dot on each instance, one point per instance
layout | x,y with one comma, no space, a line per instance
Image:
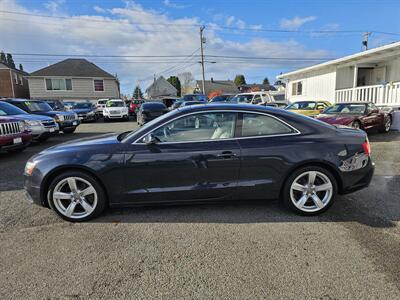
29,168
33,123
76,116
60,118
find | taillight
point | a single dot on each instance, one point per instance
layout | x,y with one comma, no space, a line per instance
367,147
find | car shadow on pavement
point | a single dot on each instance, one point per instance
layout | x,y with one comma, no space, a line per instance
384,137
375,207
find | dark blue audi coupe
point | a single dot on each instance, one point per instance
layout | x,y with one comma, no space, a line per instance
204,153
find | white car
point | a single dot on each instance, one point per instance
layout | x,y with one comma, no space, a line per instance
260,98
115,109
100,104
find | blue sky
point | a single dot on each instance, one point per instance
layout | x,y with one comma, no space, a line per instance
84,34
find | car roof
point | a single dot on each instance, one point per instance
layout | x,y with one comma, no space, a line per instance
23,100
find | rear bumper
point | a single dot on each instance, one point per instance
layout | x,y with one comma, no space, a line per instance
356,180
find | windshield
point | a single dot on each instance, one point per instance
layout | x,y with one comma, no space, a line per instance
10,110
153,106
347,108
38,106
220,98
304,105
82,105
242,98
115,104
279,97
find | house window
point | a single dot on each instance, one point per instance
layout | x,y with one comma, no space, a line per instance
16,78
56,84
98,85
297,88
20,80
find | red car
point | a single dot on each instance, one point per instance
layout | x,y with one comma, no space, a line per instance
362,115
134,106
14,136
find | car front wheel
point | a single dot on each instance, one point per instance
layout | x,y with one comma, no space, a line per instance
75,196
310,190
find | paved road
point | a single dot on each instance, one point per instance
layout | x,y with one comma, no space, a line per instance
238,250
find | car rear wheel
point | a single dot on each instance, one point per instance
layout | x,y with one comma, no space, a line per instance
75,196
310,190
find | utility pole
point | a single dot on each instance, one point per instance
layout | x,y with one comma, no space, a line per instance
365,40
202,41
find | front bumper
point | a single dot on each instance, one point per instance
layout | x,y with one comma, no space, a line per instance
9,142
86,118
116,116
40,131
32,191
69,124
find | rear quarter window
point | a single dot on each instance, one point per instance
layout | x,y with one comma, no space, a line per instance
261,125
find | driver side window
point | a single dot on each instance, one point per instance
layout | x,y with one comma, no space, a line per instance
198,127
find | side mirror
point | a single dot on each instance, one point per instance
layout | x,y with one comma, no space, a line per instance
150,139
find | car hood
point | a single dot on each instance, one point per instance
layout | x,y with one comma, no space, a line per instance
82,110
53,113
95,141
337,119
26,117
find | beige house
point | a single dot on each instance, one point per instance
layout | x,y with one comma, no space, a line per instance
73,79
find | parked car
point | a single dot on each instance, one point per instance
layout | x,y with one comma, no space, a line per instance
67,121
100,105
360,115
115,109
308,108
68,104
41,127
86,111
260,98
187,103
56,105
14,135
201,153
222,98
176,104
149,111
194,97
281,105
134,106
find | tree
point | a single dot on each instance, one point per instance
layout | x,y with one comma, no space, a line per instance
188,84
137,93
10,61
266,81
21,68
280,82
239,80
3,58
174,80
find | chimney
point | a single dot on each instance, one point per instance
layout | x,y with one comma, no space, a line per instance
212,79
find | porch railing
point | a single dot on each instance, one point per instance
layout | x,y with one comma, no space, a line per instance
378,94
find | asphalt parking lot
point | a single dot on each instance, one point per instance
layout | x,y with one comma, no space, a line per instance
249,249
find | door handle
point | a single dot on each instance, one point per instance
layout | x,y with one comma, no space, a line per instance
226,155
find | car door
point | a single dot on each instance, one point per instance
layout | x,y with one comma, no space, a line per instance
190,158
265,144
371,118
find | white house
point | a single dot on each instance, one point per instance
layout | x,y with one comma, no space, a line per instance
371,75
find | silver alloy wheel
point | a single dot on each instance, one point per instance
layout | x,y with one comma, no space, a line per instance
388,123
75,197
311,191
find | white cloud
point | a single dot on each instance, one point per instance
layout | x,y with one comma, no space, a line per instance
230,20
54,6
169,3
119,34
296,22
99,9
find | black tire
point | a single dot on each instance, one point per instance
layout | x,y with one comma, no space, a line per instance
385,128
286,192
356,124
101,195
69,130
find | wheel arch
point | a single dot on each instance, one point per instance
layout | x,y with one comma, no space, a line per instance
323,164
67,168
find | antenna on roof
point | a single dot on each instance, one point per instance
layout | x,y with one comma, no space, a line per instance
365,40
